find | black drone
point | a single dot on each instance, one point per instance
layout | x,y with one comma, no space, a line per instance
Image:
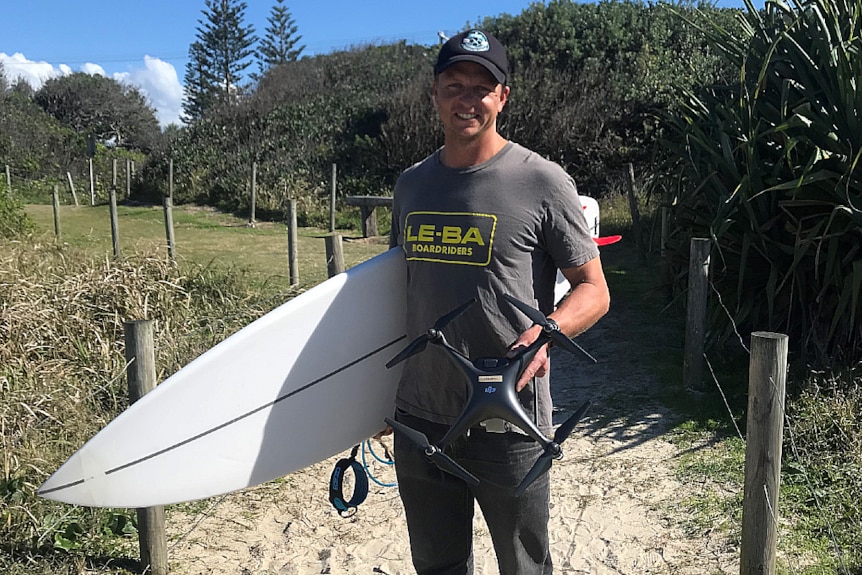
492,393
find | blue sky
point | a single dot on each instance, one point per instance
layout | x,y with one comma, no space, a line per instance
146,43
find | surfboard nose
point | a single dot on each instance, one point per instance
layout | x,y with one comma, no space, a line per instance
69,484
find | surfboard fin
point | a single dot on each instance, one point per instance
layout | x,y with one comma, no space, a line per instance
607,240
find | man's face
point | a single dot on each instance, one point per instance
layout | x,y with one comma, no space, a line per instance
468,99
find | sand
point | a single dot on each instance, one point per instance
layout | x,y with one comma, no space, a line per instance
614,505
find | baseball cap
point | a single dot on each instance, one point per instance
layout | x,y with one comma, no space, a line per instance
475,46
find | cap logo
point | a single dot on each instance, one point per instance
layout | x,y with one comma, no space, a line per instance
475,41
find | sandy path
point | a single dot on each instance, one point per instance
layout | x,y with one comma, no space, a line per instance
613,502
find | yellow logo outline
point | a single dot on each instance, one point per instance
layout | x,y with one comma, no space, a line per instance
492,217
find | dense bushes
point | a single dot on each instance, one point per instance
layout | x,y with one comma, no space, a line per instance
598,74
768,168
595,74
13,220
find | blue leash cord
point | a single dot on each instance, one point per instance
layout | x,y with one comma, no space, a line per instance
388,461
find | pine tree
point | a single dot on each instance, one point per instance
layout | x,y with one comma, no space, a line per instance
218,57
278,46
200,87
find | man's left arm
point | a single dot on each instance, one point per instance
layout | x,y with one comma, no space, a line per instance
588,301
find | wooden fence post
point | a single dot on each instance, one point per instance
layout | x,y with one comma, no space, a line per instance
72,187
251,213
332,200
767,376
92,182
169,212
695,324
292,259
55,200
636,218
115,225
128,178
334,255
141,373
664,252
169,227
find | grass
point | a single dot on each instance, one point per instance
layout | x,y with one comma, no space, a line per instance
204,237
61,374
62,308
61,377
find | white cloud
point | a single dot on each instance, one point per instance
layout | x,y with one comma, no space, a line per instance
35,73
93,69
157,80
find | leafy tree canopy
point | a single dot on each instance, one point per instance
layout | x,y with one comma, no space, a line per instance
30,139
92,104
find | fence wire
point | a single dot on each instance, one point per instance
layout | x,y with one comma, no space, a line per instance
258,307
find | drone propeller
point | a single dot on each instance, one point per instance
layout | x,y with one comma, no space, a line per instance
565,430
418,345
440,459
550,327
447,319
552,451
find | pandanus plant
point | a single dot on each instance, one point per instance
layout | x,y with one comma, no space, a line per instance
769,169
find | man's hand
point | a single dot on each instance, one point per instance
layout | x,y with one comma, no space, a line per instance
386,431
541,362
587,302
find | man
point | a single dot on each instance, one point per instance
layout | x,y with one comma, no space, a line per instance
479,218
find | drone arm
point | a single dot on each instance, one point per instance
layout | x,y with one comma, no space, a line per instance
456,355
524,353
466,420
466,366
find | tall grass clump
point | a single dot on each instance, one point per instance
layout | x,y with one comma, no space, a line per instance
768,168
62,378
821,489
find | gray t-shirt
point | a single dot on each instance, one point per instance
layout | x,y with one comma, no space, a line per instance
502,227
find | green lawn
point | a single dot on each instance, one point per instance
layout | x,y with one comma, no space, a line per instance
204,237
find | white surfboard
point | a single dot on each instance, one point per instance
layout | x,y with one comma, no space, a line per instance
303,383
591,213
